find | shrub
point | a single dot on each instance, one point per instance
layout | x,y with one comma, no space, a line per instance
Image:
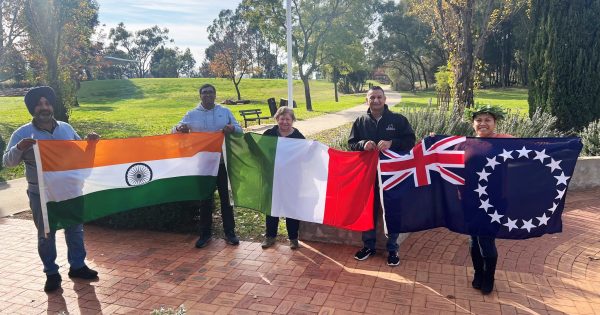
171,217
444,80
590,136
427,120
336,138
539,125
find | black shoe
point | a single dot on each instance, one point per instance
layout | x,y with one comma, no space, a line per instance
393,259
52,282
231,239
294,244
268,242
364,253
202,241
83,273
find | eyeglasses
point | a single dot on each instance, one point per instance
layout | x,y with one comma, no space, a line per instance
207,92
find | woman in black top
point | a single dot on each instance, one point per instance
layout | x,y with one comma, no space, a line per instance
285,120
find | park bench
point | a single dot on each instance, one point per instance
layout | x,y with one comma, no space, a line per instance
252,115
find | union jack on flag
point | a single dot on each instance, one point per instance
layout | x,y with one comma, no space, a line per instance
421,161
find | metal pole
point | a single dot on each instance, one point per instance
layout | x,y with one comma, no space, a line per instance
288,22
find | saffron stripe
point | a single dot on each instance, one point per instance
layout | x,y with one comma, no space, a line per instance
70,155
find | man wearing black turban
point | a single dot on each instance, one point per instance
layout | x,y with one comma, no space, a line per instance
40,101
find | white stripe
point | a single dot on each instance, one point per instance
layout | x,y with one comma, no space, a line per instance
63,185
300,180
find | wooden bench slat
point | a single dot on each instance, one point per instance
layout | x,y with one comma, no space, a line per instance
250,112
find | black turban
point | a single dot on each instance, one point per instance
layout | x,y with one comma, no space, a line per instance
33,97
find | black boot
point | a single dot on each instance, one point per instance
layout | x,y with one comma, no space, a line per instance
487,285
478,266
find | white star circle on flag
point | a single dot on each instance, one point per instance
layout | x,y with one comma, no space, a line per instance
509,223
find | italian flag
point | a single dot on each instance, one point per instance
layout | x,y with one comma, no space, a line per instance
84,180
302,179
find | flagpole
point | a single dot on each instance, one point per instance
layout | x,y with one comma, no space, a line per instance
288,23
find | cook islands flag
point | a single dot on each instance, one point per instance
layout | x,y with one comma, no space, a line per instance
508,188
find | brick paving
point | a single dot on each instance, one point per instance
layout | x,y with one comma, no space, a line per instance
141,271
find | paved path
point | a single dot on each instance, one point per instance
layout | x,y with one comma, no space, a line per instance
141,271
328,121
14,199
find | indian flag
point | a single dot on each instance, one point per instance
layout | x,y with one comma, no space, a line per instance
84,180
302,179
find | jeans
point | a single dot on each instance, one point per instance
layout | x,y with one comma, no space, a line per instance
292,226
47,245
486,245
369,238
226,208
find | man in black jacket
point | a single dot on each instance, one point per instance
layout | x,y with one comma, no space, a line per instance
380,129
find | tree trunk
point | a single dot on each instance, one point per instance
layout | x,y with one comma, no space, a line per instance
60,110
336,91
463,83
464,63
422,66
237,89
306,92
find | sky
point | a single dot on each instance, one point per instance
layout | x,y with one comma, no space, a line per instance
186,20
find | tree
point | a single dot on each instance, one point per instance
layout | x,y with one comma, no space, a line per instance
312,20
564,56
231,54
59,33
405,45
139,46
504,60
164,63
349,63
11,29
463,26
186,63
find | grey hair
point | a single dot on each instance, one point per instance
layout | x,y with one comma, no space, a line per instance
284,110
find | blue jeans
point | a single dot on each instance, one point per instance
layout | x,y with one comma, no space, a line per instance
486,245
47,245
369,238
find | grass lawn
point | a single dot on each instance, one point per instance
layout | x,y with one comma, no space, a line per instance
138,107
511,98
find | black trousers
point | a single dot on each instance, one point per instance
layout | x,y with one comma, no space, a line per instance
226,208
292,226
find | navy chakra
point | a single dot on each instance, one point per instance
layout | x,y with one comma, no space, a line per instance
138,174
508,222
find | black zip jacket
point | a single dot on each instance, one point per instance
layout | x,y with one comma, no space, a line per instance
391,126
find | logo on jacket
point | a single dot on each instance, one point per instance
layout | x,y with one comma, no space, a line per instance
390,127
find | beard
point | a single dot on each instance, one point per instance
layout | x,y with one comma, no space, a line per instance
44,116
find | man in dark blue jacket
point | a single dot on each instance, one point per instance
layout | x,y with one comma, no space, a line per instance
380,129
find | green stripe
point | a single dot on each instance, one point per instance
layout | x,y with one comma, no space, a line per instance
102,203
250,164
